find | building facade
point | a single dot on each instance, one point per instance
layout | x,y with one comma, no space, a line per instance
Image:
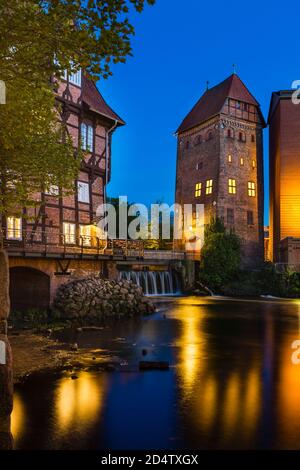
284,150
220,162
58,238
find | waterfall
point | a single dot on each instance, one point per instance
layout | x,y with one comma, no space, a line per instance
154,282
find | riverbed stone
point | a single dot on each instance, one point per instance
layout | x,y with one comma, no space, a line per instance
93,297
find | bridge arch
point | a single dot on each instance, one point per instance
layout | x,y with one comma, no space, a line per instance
29,288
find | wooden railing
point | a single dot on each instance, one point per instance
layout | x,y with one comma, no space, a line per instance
47,243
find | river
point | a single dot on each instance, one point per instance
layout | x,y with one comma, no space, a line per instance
231,384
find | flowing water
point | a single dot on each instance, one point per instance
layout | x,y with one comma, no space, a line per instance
232,383
154,282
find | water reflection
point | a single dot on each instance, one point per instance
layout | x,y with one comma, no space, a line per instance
18,417
78,403
232,384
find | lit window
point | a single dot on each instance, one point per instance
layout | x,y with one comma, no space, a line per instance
87,137
231,186
209,187
75,78
251,189
69,231
250,220
230,216
229,158
14,228
198,189
253,164
85,235
83,192
242,160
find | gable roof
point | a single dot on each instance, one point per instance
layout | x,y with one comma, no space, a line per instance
211,102
92,97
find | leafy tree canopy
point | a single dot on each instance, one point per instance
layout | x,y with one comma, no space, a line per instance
220,255
40,39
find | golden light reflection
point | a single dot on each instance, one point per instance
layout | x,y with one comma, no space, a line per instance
17,417
231,404
79,402
252,401
288,395
209,400
191,345
218,396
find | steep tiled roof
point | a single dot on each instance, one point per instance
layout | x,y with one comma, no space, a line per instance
92,97
212,101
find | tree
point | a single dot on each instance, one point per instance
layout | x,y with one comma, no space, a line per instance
40,39
220,255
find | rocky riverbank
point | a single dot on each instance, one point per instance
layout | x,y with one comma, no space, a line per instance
97,298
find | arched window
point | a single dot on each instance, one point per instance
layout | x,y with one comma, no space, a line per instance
230,133
242,137
198,140
209,135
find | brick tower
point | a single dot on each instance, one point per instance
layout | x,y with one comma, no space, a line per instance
220,162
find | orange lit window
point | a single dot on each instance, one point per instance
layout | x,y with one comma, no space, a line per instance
209,187
231,186
198,189
253,164
251,189
229,158
242,160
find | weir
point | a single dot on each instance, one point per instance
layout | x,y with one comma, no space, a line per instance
154,282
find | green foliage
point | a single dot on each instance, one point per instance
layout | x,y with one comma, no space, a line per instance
220,256
266,281
90,34
40,39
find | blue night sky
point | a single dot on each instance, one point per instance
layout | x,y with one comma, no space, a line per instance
178,46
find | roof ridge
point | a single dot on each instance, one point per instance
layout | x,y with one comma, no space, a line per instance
212,100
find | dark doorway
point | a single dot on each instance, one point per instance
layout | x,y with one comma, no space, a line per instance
29,289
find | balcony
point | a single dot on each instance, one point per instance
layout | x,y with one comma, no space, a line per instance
57,245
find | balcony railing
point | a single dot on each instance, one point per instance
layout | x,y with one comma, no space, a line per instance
55,243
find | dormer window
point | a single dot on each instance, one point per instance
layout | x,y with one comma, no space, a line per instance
75,78
87,137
